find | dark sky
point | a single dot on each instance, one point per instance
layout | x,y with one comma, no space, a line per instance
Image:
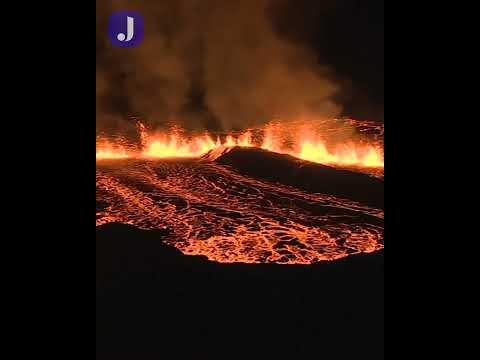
223,64
348,35
354,45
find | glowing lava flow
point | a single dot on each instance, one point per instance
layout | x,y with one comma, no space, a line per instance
308,144
215,211
345,155
176,145
303,143
106,150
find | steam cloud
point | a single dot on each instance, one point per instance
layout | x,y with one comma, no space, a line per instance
208,64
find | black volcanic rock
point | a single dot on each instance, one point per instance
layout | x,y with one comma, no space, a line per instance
302,174
153,302
121,241
123,250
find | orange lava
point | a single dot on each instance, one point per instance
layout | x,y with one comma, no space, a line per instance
304,142
106,150
213,211
176,144
307,143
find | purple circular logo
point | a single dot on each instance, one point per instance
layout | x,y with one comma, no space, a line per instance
125,29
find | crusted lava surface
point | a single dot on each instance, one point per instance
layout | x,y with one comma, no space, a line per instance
246,205
153,302
263,229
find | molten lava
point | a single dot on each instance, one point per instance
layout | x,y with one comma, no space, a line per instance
177,145
106,150
308,144
303,142
215,209
348,154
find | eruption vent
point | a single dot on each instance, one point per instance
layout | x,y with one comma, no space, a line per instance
301,141
230,199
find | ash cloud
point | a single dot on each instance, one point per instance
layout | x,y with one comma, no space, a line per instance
209,64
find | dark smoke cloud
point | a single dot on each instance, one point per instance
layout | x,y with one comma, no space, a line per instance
210,64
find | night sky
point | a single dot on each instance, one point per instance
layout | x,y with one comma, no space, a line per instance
205,62
354,46
348,35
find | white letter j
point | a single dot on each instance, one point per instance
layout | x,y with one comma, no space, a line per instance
121,36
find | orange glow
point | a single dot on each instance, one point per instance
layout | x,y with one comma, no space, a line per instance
303,142
347,154
178,145
307,144
214,211
106,150
174,145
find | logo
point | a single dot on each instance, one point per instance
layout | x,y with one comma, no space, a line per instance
126,29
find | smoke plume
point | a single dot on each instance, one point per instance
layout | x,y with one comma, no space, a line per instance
209,64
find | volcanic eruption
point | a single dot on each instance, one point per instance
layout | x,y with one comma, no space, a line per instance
240,181
255,196
237,146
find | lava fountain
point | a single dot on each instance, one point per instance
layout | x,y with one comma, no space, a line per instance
306,143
